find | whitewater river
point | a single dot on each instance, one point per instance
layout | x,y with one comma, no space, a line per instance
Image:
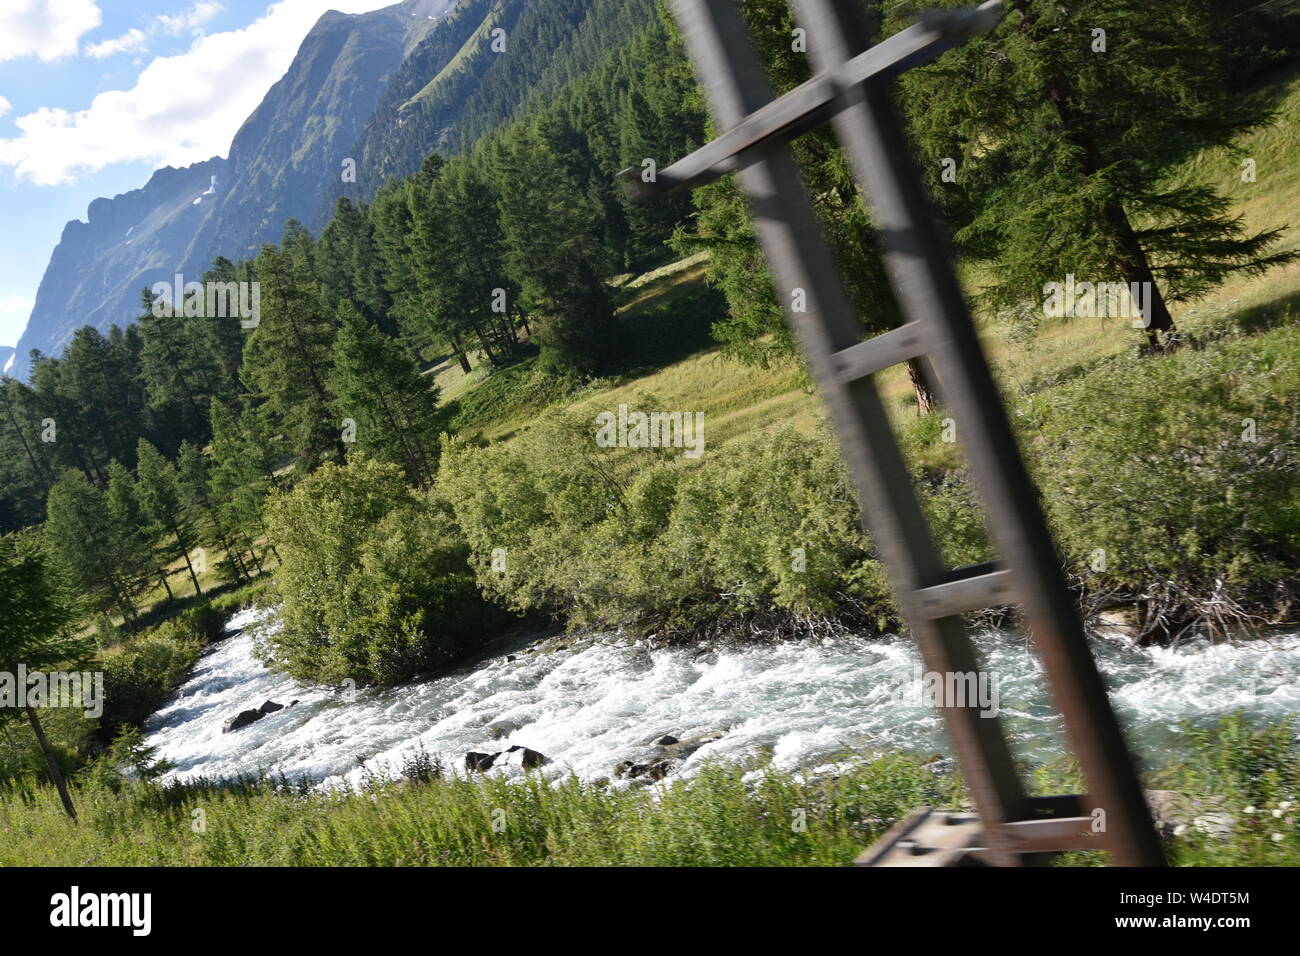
597,702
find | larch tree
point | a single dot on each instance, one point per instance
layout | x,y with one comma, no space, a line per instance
1059,132
37,634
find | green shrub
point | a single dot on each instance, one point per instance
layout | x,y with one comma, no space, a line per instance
138,679
373,579
644,536
1177,473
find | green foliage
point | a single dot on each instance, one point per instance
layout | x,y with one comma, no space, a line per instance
128,757
139,676
549,229
401,598
1061,153
287,360
379,388
717,818
1190,477
603,535
753,327
77,516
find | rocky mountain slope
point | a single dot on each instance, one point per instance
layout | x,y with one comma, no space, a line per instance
284,157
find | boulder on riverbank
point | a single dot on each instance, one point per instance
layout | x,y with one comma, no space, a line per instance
517,756
664,755
241,720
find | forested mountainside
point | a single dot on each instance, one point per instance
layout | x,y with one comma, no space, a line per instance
382,89
457,85
280,161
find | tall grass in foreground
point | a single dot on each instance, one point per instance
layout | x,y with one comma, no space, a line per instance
727,815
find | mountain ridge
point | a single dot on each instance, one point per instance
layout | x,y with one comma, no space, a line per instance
279,162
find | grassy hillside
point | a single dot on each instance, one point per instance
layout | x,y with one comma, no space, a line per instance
1144,458
738,398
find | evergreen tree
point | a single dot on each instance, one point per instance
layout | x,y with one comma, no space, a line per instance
137,556
160,501
222,337
36,635
82,534
348,264
287,360
1063,123
194,483
458,255
549,227
178,375
378,386
754,328
241,475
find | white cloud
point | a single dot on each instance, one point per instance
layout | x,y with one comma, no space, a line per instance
195,16
48,29
182,109
5,106
136,40
129,42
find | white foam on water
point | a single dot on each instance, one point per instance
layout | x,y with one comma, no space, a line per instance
803,704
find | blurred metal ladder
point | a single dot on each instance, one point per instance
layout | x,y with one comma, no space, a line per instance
850,89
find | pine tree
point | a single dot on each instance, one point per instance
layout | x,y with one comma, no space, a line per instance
458,259
242,474
1063,124
549,228
287,360
222,337
84,537
160,500
754,329
378,386
37,633
194,482
178,376
348,263
137,556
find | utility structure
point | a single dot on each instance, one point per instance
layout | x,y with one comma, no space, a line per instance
850,88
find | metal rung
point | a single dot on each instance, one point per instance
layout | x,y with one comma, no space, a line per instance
964,594
879,353
1053,835
943,838
926,838
920,43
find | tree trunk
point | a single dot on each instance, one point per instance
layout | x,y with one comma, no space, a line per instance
487,349
162,576
925,397
1135,266
461,356
1130,256
185,552
51,763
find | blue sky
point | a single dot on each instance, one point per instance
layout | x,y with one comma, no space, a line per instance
96,94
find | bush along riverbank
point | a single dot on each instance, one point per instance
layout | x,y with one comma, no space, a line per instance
140,672
1172,485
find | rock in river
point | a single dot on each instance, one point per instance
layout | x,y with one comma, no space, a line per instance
242,719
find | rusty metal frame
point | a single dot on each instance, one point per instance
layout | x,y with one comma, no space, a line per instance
851,90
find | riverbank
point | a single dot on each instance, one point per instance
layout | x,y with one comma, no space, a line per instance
727,815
